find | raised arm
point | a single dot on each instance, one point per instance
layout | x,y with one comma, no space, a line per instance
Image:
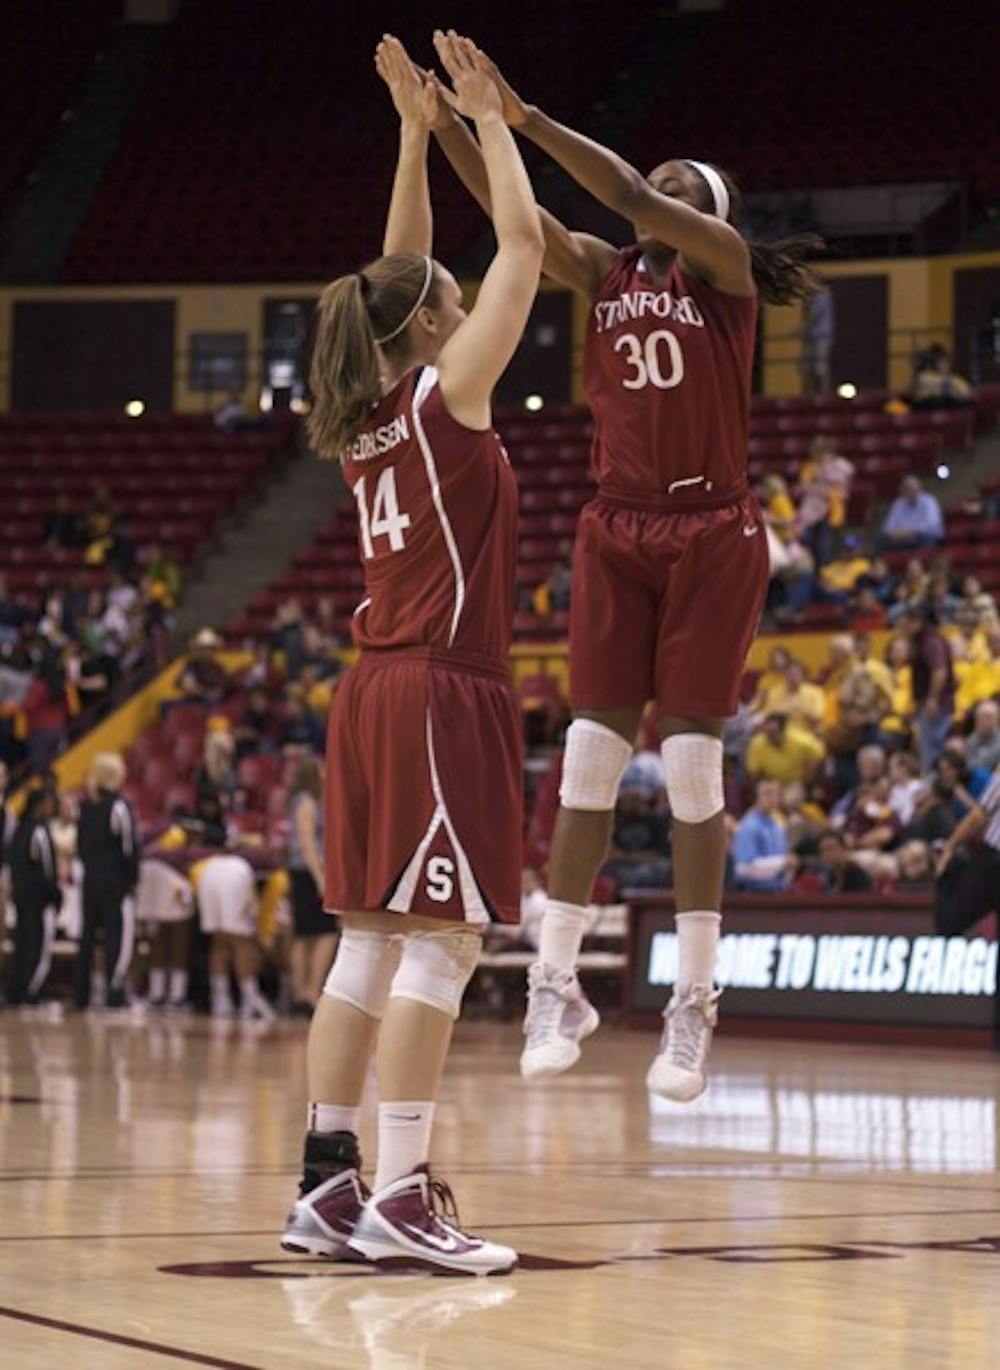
477,353
712,248
409,225
578,261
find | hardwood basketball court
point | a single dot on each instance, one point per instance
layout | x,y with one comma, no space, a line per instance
822,1206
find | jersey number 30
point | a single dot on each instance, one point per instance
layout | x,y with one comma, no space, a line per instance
645,358
385,521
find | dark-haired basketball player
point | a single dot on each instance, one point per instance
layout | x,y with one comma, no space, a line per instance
670,565
423,776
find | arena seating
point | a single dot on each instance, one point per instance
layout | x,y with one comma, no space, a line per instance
761,92
170,478
551,454
269,157
40,76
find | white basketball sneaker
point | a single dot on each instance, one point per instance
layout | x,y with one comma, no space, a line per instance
412,1224
679,1071
558,1018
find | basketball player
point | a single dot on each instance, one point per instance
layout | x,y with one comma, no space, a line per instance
108,844
423,777
37,897
670,563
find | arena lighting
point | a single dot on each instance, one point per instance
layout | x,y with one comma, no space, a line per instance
135,409
533,403
847,391
943,471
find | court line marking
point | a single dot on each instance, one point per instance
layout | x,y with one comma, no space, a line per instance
533,1226
77,1329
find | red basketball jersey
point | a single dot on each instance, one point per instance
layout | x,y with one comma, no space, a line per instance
437,526
667,370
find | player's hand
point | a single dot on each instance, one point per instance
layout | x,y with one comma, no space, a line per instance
475,94
414,94
943,861
515,111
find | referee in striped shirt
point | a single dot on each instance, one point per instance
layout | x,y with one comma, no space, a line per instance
968,888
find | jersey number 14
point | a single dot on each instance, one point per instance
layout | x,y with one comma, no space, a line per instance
647,359
385,520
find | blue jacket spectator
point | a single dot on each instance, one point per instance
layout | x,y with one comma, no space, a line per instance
914,518
761,859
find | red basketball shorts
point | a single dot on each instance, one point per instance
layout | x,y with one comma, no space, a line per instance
665,606
423,789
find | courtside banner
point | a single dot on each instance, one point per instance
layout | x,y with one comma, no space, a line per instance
842,963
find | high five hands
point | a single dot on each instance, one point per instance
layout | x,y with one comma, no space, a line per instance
478,86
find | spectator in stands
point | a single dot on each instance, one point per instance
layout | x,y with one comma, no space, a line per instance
940,600
933,683
825,485
905,786
639,857
13,615
47,706
257,730
979,600
286,636
62,527
217,774
791,561
839,578
866,610
914,518
804,817
779,751
232,415
162,576
880,580
869,767
204,679
300,728
108,843
966,783
914,866
801,702
552,595
837,872
871,824
870,664
315,939
935,385
934,819
983,746
777,664
762,862
819,318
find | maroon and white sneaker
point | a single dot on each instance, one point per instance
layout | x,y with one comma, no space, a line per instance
321,1221
412,1224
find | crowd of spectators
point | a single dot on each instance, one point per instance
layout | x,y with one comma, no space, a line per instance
851,780
66,651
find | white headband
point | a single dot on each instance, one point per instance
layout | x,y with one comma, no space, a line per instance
720,195
428,277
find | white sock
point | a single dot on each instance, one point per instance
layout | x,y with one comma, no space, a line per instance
220,989
249,990
333,1118
178,986
404,1139
562,933
157,983
697,944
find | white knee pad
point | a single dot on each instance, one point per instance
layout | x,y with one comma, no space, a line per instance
594,763
363,969
435,968
692,764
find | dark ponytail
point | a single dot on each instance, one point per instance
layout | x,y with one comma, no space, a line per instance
780,265
345,371
780,268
